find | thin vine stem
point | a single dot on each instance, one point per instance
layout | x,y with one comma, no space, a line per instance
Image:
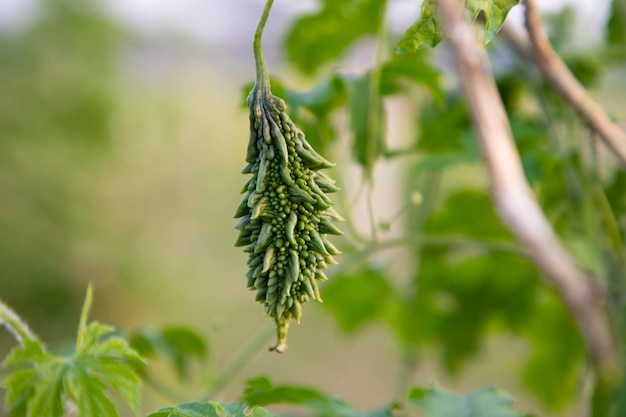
15,325
262,73
246,354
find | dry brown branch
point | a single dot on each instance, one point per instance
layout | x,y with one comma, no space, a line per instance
514,200
536,47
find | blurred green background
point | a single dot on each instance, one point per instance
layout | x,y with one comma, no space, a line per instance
120,153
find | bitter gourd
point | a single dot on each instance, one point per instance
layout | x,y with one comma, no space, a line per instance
285,214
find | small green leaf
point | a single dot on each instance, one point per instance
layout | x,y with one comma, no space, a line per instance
261,391
100,361
412,67
211,409
357,300
321,37
177,343
47,399
495,13
616,27
477,218
367,122
428,30
487,402
30,351
445,128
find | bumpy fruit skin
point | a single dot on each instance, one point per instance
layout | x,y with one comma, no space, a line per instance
285,214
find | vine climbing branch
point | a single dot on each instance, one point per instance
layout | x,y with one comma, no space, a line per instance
535,46
513,198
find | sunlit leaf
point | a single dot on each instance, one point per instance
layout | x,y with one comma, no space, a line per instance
487,402
428,30
261,391
211,409
367,121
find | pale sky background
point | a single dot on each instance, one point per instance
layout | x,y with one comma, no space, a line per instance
210,20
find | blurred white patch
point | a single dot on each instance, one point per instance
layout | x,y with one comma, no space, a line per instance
15,14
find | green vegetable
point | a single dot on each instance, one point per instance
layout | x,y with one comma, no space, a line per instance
285,213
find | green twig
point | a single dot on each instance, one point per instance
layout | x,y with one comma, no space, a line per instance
164,390
257,342
14,324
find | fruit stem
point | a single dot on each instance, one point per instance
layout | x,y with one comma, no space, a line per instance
262,73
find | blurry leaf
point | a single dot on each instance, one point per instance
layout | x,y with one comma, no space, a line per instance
321,37
440,162
325,97
100,361
442,127
211,409
469,213
616,195
556,365
466,298
178,344
487,402
616,27
428,29
367,122
261,391
412,67
357,300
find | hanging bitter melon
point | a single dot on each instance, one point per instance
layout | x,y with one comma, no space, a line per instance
285,214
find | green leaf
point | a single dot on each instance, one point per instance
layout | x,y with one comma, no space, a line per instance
177,343
31,351
554,370
100,361
446,128
469,213
495,13
467,294
318,38
211,409
616,27
487,402
367,122
440,162
412,67
358,299
261,391
47,398
428,30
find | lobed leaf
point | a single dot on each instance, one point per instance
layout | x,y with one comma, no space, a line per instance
487,402
261,391
211,409
428,29
48,385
